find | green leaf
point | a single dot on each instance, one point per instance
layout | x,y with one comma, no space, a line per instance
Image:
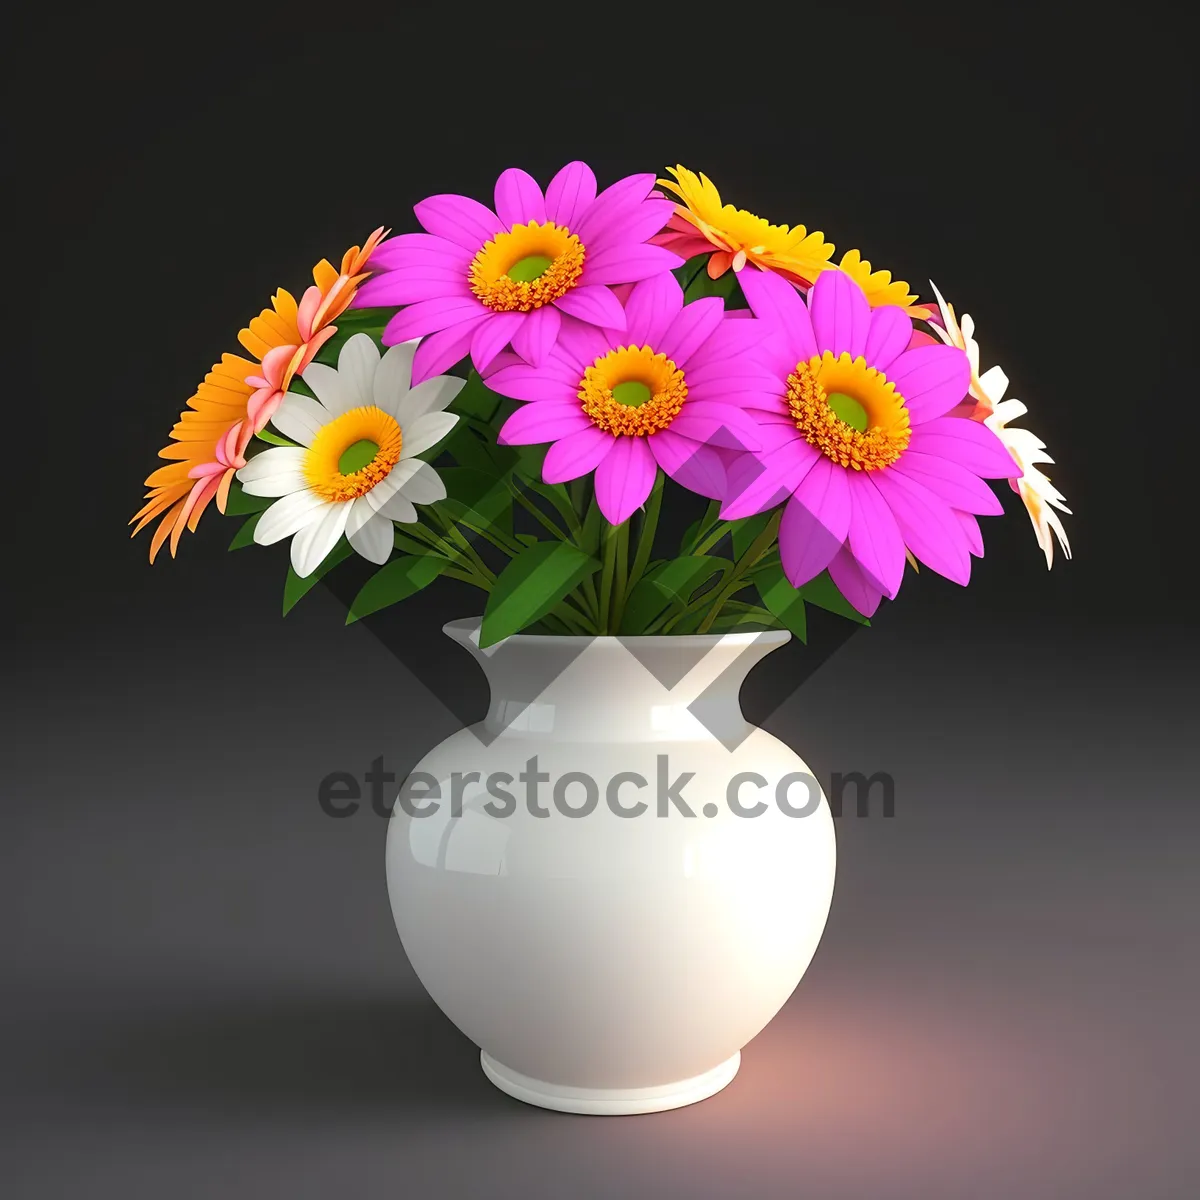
702,286
245,535
476,498
747,529
691,269
468,449
738,616
409,545
267,435
782,600
673,582
823,592
241,504
294,587
476,399
530,586
395,581
529,463
370,321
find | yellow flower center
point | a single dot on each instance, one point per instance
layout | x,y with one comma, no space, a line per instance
848,411
632,391
353,453
527,267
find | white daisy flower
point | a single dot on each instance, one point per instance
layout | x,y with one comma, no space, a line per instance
355,470
1037,493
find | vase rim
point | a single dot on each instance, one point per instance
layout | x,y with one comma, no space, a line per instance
463,629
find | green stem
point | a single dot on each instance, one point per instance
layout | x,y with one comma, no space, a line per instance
755,551
646,532
534,510
712,537
607,571
621,577
455,534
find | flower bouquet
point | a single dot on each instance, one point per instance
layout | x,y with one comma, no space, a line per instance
576,356
511,397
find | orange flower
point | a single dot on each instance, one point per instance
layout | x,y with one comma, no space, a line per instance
238,397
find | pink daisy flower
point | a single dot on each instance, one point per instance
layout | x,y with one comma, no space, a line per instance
664,390
477,281
857,442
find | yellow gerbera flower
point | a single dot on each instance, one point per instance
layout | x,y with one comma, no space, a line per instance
702,223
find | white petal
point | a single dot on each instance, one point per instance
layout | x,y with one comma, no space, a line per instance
271,462
360,513
396,478
333,390
312,543
424,432
393,376
374,540
357,364
300,418
431,396
994,383
425,486
286,516
397,508
286,481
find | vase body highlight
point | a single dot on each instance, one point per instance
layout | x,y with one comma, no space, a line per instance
608,923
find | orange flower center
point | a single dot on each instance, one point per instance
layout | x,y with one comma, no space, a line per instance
632,391
527,267
353,453
850,412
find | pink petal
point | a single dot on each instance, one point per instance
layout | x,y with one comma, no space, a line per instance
440,351
570,194
576,455
888,336
596,305
841,315
953,483
693,465
815,522
613,206
761,481
971,444
409,285
690,328
624,479
543,421
777,303
519,200
580,343
459,219
652,305
849,579
932,380
971,528
493,335
409,248
874,536
928,525
641,224
717,425
623,263
520,381
432,316
537,335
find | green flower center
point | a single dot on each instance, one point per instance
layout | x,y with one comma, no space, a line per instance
632,393
847,409
357,455
529,268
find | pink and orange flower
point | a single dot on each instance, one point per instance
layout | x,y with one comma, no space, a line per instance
238,397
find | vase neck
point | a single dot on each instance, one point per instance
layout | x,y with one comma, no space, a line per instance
607,688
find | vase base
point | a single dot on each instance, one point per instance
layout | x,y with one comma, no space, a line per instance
611,1102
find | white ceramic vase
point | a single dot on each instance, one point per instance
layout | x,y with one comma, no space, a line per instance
606,958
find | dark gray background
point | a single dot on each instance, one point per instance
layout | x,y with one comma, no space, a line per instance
203,994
